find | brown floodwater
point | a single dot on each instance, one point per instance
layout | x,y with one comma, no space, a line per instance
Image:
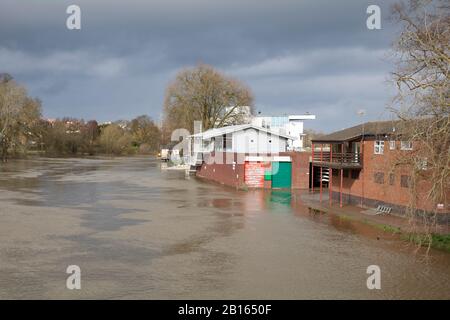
138,232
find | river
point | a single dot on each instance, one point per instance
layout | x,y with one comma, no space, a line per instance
137,232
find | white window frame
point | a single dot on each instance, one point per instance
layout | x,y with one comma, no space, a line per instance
406,145
228,142
392,144
423,165
378,147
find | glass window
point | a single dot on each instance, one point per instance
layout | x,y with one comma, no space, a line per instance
392,145
228,142
378,177
378,147
218,143
423,164
406,145
405,181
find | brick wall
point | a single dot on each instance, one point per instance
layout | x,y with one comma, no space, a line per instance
300,168
227,173
233,176
388,189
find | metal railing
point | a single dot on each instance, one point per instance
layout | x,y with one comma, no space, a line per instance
338,157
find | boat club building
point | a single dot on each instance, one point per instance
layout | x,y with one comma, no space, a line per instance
246,156
360,161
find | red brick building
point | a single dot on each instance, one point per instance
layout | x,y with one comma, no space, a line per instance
363,170
255,171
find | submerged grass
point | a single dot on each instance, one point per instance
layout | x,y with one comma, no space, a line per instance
438,241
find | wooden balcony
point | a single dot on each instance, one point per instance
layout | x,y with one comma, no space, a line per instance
346,160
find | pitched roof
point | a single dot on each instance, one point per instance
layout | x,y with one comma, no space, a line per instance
215,132
375,128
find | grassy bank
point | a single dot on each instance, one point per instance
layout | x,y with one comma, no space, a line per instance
438,241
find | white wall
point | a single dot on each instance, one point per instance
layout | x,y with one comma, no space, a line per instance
255,141
293,127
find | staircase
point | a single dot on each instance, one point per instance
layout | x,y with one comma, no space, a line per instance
195,162
325,175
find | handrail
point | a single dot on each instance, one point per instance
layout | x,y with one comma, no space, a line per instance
338,157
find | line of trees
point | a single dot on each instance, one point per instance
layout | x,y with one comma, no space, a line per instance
199,93
22,129
73,136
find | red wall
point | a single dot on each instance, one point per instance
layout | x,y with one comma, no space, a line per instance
226,173
234,176
300,168
366,187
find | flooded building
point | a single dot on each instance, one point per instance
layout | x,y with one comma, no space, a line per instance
246,156
363,167
291,125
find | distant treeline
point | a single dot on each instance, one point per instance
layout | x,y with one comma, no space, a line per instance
23,130
70,136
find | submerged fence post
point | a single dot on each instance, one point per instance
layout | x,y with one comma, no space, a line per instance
330,177
321,170
312,168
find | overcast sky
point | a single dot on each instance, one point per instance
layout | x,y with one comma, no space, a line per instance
296,55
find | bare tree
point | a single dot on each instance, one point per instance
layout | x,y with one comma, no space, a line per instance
146,134
203,93
19,117
422,76
311,134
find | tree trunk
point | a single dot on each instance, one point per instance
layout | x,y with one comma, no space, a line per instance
4,148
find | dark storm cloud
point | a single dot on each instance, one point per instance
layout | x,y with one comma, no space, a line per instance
297,56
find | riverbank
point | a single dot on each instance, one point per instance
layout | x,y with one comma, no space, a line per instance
101,156
390,225
400,227
180,167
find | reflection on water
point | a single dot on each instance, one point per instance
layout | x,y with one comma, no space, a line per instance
280,196
139,232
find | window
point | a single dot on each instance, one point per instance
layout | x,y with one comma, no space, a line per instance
391,179
378,177
405,181
392,145
355,174
378,147
218,144
406,145
227,142
423,164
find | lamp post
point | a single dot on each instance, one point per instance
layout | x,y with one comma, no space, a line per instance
361,113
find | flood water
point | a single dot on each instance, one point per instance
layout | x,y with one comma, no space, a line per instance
138,232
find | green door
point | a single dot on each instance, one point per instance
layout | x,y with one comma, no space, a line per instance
281,174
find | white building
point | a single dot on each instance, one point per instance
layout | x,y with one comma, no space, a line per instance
245,138
286,125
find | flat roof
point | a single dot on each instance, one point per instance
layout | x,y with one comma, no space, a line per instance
303,117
